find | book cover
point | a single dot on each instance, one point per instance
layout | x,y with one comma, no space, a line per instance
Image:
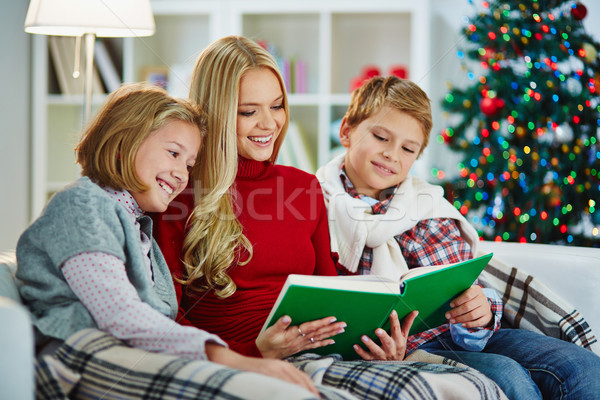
106,67
365,302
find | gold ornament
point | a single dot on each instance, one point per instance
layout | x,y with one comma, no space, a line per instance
553,194
590,52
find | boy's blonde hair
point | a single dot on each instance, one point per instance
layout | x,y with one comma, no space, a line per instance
215,240
399,94
107,149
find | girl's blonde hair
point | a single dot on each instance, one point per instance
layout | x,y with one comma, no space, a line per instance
215,240
107,149
399,94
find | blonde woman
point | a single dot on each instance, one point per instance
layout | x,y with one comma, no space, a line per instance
253,222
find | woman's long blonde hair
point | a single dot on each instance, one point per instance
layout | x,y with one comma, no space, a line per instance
215,240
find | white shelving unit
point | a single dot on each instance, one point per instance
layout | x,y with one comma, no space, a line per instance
334,38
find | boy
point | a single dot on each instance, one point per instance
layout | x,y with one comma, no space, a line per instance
384,221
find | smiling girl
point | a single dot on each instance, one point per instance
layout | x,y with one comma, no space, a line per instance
92,272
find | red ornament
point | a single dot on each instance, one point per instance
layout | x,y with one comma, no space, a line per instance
579,11
489,53
489,106
446,137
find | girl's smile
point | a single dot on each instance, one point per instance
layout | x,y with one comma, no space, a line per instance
162,163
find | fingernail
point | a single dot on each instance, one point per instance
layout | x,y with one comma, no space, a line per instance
365,339
355,346
452,305
332,320
379,332
341,330
452,321
447,315
287,319
394,313
344,325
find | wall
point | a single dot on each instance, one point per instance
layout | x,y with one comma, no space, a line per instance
14,114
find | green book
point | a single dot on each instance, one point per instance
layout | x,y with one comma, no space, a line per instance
365,302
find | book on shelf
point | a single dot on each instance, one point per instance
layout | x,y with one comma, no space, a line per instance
106,67
296,149
294,71
62,52
365,302
300,77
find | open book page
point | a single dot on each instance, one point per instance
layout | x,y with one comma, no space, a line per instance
365,302
424,270
355,283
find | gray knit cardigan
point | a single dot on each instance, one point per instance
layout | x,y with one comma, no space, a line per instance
84,218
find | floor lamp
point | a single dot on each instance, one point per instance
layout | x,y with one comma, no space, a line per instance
89,19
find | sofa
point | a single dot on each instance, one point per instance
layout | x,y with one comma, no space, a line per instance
571,273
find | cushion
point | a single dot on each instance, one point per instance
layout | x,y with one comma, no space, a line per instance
8,287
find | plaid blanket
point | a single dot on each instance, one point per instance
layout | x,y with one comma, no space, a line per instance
94,365
529,304
421,376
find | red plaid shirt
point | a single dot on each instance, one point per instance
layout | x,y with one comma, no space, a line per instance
431,242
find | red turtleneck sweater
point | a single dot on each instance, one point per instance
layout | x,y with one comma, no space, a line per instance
284,217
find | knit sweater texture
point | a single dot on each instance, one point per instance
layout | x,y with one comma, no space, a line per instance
84,218
283,215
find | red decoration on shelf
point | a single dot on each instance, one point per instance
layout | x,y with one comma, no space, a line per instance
369,71
579,12
399,71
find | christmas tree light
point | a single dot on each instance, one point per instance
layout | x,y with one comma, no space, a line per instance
529,124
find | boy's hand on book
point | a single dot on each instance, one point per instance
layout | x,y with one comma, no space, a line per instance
392,347
471,309
283,340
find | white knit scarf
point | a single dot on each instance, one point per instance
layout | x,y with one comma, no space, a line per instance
352,224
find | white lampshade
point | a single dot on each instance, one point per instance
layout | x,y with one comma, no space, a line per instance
103,18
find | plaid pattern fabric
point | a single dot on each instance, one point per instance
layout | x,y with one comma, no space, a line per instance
106,368
109,369
431,242
48,385
529,304
423,376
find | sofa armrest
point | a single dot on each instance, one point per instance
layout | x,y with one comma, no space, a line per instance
17,348
16,337
571,272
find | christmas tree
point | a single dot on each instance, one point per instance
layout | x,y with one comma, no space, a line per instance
527,124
